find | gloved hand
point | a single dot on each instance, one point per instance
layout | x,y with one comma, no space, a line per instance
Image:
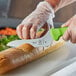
28,27
70,33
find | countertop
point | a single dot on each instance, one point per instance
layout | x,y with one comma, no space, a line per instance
45,64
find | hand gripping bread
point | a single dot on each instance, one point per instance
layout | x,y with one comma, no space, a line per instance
14,57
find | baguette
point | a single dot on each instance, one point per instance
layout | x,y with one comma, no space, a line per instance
14,57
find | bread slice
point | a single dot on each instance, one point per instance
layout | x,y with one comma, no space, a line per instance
14,57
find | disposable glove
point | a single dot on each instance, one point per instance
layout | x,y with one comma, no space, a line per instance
29,26
70,33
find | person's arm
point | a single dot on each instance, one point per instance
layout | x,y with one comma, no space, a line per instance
53,3
58,4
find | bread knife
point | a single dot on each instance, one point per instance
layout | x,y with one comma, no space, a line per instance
46,40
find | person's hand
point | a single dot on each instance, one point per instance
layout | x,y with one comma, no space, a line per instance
70,33
29,26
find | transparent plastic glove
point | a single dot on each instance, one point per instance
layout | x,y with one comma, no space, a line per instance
29,26
63,3
70,33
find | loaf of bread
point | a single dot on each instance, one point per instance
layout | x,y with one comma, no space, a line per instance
14,57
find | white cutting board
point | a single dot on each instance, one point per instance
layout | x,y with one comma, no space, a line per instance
41,66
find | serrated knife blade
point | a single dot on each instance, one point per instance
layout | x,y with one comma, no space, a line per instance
46,40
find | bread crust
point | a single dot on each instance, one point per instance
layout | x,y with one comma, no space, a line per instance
14,57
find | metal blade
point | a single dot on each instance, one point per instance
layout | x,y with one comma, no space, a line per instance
46,40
